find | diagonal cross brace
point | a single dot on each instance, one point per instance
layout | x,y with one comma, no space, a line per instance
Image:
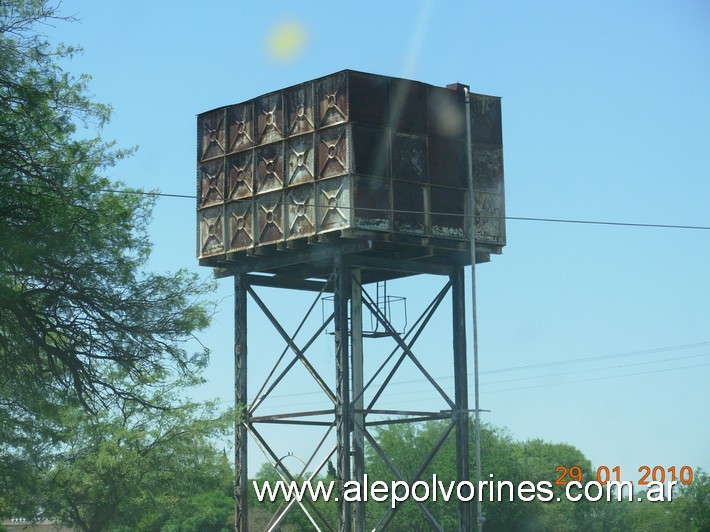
286,476
372,306
292,345
416,330
283,373
389,514
258,397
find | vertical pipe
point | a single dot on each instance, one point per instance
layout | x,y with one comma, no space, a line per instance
463,472
474,323
343,291
358,445
240,404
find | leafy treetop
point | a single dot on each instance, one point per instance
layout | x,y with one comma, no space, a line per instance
78,311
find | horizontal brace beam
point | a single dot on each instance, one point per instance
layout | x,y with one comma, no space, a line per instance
400,412
433,417
276,281
483,250
259,419
397,265
297,422
314,253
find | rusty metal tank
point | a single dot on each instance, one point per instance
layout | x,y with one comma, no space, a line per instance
349,156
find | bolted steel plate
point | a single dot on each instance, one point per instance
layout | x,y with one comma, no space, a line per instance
300,157
211,232
211,135
350,151
269,168
240,171
240,126
333,203
269,218
240,225
300,212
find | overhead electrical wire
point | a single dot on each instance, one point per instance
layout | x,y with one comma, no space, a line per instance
600,222
583,360
518,368
507,390
402,211
601,357
644,352
567,373
598,378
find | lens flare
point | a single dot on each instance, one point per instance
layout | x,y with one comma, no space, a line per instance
286,40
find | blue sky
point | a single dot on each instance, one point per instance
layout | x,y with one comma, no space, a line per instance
606,116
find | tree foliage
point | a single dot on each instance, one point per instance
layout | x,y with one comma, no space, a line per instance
129,468
77,310
262,514
504,459
535,461
88,337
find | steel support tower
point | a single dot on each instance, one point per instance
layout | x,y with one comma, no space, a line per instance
351,419
329,187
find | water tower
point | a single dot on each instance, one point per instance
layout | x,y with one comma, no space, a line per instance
332,186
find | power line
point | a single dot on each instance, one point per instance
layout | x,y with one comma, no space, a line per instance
566,373
387,398
598,222
644,352
561,383
601,357
597,378
402,211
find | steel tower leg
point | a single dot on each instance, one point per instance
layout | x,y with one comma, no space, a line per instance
358,448
458,299
343,291
240,402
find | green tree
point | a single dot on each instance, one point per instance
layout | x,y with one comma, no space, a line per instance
539,461
262,514
129,468
697,495
407,445
501,456
78,311
83,325
689,510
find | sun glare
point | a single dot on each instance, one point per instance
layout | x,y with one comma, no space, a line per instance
286,40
